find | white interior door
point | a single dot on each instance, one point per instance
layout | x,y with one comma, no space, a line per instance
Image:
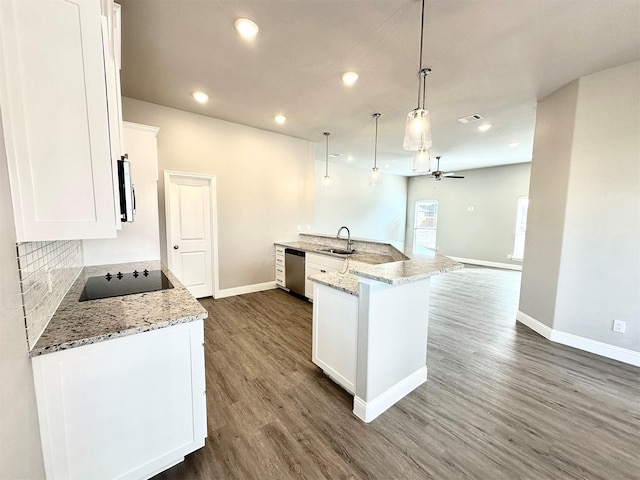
188,206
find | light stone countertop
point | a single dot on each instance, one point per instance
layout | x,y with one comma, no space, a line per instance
81,323
406,271
358,255
344,282
393,268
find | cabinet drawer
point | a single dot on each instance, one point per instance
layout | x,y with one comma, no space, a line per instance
280,261
279,250
331,263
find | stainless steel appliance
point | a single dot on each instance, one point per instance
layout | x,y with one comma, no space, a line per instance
294,270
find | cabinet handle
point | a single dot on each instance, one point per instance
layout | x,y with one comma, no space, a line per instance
323,271
176,247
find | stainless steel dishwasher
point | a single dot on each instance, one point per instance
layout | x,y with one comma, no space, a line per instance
294,270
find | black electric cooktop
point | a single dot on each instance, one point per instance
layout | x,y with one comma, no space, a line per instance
121,284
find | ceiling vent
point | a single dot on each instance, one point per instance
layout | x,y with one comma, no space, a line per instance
471,118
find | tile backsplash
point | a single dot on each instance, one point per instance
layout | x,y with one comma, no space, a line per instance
47,270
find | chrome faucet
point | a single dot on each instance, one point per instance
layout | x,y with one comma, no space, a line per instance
349,242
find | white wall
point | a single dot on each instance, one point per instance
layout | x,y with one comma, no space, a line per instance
138,241
20,451
488,232
599,277
547,199
264,184
375,213
598,271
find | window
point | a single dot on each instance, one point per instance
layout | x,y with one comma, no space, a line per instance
425,226
521,228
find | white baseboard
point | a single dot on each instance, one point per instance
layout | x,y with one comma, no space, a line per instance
581,343
534,324
256,287
485,263
368,411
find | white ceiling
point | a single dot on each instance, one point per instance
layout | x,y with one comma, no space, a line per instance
493,57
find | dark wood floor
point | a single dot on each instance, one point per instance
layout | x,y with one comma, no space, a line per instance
500,402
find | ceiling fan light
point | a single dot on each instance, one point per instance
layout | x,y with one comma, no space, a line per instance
417,133
422,161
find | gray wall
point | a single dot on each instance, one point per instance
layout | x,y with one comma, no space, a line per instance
376,213
20,451
598,277
264,184
488,232
547,198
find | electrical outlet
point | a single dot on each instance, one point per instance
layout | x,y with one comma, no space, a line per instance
619,326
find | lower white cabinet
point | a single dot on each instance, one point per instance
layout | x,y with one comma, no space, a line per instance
335,334
126,408
280,270
315,264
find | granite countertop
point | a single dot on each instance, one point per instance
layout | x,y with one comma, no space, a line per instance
344,282
406,271
81,323
358,255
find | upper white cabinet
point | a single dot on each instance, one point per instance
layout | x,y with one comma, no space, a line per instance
55,119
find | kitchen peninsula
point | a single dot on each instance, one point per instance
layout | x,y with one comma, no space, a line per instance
370,320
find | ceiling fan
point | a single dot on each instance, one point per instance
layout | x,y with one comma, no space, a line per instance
439,174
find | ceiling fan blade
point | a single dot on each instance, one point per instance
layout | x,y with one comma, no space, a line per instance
448,174
454,176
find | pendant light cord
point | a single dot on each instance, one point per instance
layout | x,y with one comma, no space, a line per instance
421,43
375,148
326,158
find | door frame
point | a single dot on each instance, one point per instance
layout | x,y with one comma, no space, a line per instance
168,174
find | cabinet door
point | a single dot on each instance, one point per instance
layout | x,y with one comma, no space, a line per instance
54,119
335,334
125,408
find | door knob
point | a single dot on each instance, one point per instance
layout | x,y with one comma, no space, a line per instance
176,247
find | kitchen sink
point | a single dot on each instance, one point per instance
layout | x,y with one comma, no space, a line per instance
337,251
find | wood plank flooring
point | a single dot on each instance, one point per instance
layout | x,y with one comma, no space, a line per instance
500,402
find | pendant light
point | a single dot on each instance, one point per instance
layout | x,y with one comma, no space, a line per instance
374,176
417,134
422,161
327,181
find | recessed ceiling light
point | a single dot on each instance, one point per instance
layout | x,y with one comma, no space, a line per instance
349,78
200,97
335,155
485,127
386,165
349,158
514,144
247,29
280,119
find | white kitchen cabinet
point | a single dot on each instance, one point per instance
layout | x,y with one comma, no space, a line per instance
335,334
111,53
55,120
280,270
314,264
125,408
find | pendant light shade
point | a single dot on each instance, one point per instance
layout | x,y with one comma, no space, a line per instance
422,161
326,182
374,175
417,133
